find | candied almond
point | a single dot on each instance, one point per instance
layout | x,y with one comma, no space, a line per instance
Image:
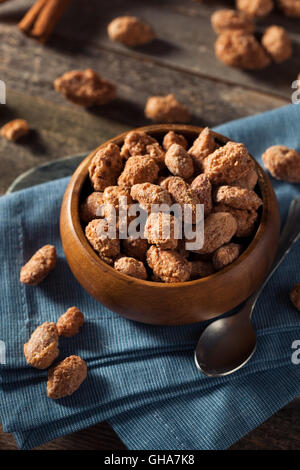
66,377
156,152
290,7
105,167
148,194
203,189
138,169
173,138
219,228
241,50
283,163
179,162
166,109
85,88
225,255
228,163
91,208
256,8
183,195
135,248
108,248
130,31
42,347
15,129
277,43
131,266
227,19
248,181
162,230
168,265
238,198
245,219
39,265
203,146
69,323
135,143
295,296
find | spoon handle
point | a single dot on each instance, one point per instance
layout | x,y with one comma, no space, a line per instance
289,235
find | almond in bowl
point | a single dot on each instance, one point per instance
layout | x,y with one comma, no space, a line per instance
153,276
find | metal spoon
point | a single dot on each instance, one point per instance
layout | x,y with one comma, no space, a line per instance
227,344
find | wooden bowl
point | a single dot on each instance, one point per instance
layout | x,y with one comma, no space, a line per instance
160,303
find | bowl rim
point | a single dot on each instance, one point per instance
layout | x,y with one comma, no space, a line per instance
79,177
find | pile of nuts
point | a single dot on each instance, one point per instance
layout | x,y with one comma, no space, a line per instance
65,377
237,45
147,172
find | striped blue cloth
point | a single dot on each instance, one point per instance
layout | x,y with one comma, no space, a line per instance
142,379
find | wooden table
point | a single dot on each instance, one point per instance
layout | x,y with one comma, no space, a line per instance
181,61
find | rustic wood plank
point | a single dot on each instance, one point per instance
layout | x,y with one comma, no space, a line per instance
185,38
57,131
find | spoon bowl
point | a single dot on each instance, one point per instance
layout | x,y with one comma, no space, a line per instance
225,346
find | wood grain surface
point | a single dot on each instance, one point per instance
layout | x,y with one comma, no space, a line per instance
181,61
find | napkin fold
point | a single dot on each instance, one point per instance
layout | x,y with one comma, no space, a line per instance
141,378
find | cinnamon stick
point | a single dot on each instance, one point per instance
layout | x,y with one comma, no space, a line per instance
42,17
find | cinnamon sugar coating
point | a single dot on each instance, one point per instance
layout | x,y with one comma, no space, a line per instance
295,296
183,195
42,347
39,265
135,143
245,219
105,167
219,228
248,181
107,248
130,30
255,8
148,194
241,50
70,322
168,265
225,255
66,377
179,162
161,229
138,169
290,7
91,208
277,43
227,19
203,146
173,138
238,198
131,266
135,248
15,129
85,88
203,189
166,109
283,163
227,164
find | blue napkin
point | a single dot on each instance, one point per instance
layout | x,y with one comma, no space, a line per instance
141,378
